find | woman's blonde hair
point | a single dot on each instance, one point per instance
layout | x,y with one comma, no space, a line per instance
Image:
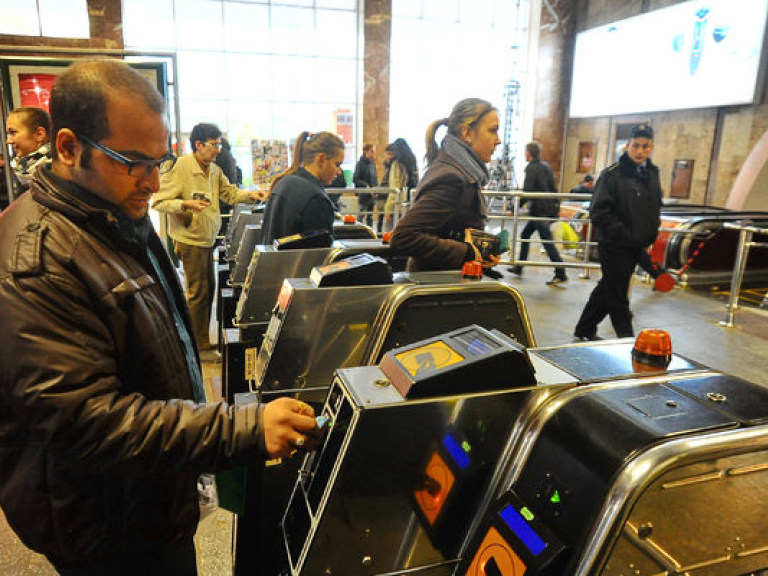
308,146
467,112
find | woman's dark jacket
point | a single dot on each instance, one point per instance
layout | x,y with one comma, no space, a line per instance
298,203
100,445
625,208
447,202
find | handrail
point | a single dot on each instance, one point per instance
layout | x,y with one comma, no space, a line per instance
746,232
517,196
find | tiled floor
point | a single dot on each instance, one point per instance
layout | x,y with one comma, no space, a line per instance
690,316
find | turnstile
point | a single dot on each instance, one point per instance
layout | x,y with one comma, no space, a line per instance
313,331
269,267
614,472
659,476
396,482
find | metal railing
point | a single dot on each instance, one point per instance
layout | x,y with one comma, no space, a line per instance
746,233
382,220
516,197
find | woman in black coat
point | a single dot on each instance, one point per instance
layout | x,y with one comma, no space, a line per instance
448,203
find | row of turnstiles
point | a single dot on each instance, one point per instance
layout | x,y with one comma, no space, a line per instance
454,445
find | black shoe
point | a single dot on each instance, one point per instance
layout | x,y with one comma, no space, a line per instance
557,280
590,338
516,270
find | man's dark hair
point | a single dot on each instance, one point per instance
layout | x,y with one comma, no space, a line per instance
80,95
367,146
534,149
202,133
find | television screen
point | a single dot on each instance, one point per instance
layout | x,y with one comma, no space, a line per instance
691,55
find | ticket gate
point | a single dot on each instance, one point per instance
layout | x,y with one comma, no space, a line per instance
352,231
315,330
269,266
249,315
608,472
351,514
242,215
248,241
649,477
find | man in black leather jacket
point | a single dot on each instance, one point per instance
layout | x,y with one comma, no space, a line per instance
625,213
104,427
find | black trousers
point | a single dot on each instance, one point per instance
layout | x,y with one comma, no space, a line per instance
179,560
611,295
546,235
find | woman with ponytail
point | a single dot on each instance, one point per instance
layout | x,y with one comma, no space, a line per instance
298,201
435,232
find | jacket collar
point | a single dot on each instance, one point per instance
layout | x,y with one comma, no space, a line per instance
85,208
628,166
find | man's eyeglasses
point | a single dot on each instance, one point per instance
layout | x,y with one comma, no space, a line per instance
136,168
216,145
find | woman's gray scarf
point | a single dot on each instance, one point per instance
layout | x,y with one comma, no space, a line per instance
457,149
469,161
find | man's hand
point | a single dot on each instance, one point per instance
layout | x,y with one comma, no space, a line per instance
258,195
289,425
195,205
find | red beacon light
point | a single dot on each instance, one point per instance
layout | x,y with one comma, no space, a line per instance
664,282
349,219
652,351
472,270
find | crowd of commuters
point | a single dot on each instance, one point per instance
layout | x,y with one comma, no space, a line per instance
104,424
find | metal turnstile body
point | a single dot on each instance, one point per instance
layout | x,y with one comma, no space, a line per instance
269,267
248,241
396,482
656,474
314,331
242,215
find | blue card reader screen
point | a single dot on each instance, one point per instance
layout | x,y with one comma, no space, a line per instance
523,530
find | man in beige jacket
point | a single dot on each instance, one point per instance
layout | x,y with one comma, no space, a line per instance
190,195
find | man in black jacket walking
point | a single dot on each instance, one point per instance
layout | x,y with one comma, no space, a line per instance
365,177
625,213
539,177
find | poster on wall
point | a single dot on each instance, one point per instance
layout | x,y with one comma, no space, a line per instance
35,89
586,157
28,82
270,157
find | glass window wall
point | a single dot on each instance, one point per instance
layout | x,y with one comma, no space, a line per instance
261,70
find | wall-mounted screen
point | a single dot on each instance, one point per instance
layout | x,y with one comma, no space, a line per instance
691,55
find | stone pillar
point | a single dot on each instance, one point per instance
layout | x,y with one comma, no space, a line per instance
377,31
553,84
